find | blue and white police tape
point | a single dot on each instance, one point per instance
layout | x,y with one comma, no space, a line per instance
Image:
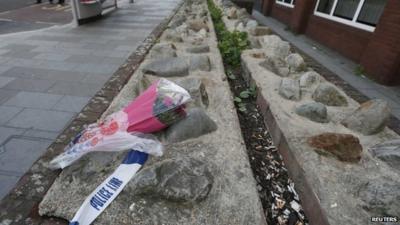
104,194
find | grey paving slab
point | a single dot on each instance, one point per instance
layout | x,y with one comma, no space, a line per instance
25,72
58,75
56,38
7,132
55,65
96,68
19,47
4,51
74,89
4,59
115,60
5,95
4,68
85,59
7,113
34,100
53,56
7,183
71,103
47,120
5,80
40,134
20,152
21,54
99,79
38,85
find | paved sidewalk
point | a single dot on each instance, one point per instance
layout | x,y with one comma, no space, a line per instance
338,64
47,77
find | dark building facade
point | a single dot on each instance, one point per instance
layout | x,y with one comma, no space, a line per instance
366,31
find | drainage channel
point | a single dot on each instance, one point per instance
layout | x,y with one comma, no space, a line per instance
280,201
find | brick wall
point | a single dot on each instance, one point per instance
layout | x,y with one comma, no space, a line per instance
301,14
282,13
349,41
381,58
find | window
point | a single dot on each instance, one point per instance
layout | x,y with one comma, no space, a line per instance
363,14
371,11
325,6
288,3
346,9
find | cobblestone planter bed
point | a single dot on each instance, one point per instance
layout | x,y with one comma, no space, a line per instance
328,141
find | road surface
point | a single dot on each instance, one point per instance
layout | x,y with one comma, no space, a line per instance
25,15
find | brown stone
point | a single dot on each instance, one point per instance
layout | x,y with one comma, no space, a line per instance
345,147
197,25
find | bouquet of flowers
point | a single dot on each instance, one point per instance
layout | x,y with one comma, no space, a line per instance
162,104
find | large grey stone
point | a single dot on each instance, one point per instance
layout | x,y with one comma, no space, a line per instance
163,50
370,118
242,13
275,47
260,31
196,89
172,35
381,197
254,42
167,67
177,180
232,13
276,65
203,48
314,111
329,95
290,89
196,123
308,79
177,21
251,24
389,152
295,62
200,62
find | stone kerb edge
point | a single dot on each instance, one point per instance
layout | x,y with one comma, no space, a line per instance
20,206
309,199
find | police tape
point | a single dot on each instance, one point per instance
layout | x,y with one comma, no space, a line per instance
104,194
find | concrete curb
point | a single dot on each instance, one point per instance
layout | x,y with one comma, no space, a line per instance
20,206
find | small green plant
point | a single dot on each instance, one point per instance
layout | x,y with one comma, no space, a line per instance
240,104
231,46
250,92
359,70
230,75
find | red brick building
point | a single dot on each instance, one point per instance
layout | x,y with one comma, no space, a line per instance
366,31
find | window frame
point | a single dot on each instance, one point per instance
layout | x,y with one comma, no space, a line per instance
281,2
352,22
